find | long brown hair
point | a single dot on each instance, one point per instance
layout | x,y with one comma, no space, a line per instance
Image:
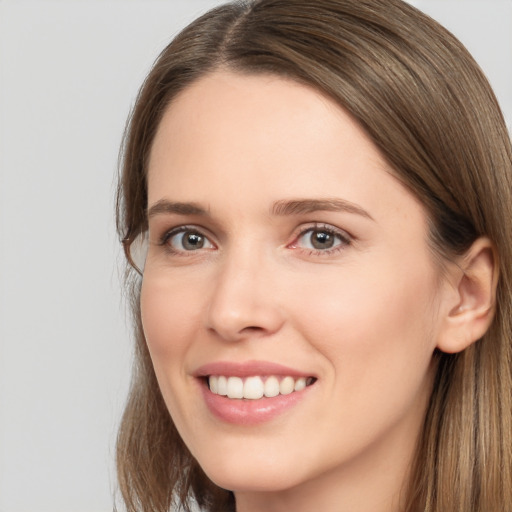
429,109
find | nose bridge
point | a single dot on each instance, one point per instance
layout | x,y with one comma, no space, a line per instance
242,299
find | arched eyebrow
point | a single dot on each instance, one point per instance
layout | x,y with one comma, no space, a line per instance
279,208
164,206
305,206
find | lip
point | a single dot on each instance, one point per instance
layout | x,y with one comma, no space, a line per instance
248,369
243,411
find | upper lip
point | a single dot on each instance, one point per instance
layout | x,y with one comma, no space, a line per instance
248,369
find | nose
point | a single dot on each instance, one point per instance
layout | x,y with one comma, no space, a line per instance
243,302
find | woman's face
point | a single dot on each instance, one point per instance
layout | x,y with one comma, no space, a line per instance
283,254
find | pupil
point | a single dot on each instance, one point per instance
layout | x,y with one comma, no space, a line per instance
322,240
193,241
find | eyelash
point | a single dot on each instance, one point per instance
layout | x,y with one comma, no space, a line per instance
343,238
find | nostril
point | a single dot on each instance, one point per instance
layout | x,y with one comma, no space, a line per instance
252,330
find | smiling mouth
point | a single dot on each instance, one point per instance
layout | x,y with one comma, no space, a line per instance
256,387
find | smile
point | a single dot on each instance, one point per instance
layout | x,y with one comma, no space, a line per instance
252,392
256,387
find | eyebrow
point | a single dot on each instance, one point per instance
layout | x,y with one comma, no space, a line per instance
279,208
305,206
169,207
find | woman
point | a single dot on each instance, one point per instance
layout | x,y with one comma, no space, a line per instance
322,194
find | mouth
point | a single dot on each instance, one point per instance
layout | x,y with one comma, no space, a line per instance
252,392
256,387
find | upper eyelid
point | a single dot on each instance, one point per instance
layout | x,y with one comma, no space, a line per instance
165,234
326,227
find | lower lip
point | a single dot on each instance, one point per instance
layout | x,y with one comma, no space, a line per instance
250,412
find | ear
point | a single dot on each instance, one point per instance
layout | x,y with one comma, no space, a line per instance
471,303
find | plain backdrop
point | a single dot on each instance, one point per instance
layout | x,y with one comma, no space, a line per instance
69,72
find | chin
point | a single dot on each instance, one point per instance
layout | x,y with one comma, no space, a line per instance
245,476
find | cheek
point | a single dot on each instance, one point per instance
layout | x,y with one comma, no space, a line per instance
373,326
170,315
170,319
374,337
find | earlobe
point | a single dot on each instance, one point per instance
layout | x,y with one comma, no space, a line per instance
472,306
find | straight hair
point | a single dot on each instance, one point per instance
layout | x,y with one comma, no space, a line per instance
428,108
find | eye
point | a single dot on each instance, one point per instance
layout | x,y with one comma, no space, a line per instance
321,239
185,239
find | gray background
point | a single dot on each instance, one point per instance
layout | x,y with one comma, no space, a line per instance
69,71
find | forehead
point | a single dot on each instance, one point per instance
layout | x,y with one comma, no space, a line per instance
256,121
246,141
277,102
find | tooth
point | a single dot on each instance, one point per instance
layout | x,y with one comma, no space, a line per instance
222,386
235,387
286,386
213,381
253,388
271,387
300,384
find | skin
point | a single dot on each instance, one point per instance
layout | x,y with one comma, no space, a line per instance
364,319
